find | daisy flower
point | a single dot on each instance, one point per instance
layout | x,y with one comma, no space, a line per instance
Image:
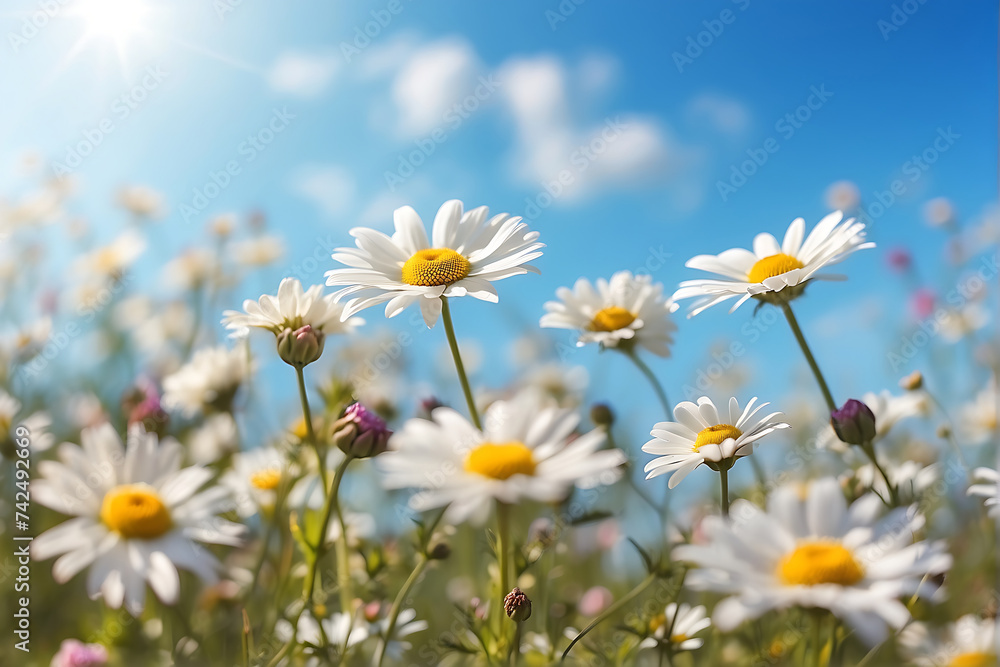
625,311
405,625
524,451
254,478
216,437
909,478
141,201
988,488
977,422
772,272
137,517
700,435
208,382
259,251
39,425
111,260
815,552
341,629
689,622
465,254
300,319
968,642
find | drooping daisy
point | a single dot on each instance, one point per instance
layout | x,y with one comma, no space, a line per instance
888,409
464,256
988,487
689,622
627,310
815,552
340,629
208,382
977,422
968,642
773,272
701,435
137,517
523,452
909,478
254,478
300,319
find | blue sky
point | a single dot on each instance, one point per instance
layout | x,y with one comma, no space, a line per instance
534,82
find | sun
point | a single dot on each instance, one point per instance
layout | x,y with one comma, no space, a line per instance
117,20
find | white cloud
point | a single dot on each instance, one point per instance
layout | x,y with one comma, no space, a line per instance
720,113
624,150
435,77
597,74
330,187
303,74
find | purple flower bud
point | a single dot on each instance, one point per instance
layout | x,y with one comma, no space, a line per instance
854,423
360,432
302,346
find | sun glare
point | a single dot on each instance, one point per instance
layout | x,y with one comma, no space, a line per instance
115,19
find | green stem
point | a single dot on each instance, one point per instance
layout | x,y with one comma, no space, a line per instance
310,435
397,605
333,506
648,372
503,546
449,329
794,324
610,611
515,648
869,449
724,481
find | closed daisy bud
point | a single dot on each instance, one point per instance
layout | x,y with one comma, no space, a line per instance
602,415
360,432
300,347
439,551
517,605
854,423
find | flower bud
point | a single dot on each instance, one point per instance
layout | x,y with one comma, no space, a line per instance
912,382
602,415
854,423
517,605
141,404
439,551
300,347
360,432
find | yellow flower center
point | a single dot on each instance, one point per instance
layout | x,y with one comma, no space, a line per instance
299,429
973,660
500,461
657,622
434,267
772,266
716,435
611,318
814,563
135,511
266,480
678,638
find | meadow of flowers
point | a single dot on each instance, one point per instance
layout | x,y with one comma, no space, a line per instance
178,514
